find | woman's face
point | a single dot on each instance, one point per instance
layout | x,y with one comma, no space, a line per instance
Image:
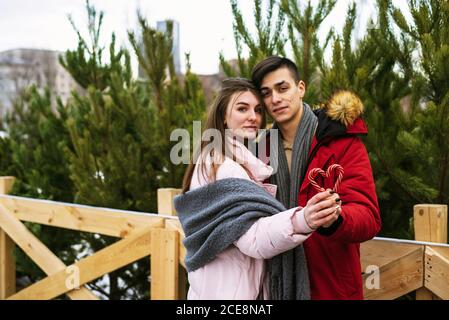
244,115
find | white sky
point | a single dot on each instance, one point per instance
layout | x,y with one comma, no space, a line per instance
205,25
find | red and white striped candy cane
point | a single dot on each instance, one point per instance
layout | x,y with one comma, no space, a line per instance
312,175
316,171
340,172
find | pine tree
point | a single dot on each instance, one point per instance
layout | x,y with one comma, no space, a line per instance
37,134
178,101
267,41
303,26
403,87
6,164
365,68
36,138
385,95
114,161
85,64
120,132
427,179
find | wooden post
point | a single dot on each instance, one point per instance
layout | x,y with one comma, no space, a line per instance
167,280
7,260
430,224
164,264
182,284
165,203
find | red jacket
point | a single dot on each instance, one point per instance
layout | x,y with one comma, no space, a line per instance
333,254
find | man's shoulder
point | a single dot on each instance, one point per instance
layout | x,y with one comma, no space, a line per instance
329,128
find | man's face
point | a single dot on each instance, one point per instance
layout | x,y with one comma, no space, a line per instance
282,96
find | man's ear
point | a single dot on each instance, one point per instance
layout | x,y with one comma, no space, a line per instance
302,88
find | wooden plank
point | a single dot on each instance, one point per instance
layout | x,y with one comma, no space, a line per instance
7,266
183,284
36,250
176,225
117,223
7,259
430,224
164,264
183,277
380,253
165,203
6,184
437,271
115,256
398,277
438,223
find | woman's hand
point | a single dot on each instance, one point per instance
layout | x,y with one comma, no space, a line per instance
322,209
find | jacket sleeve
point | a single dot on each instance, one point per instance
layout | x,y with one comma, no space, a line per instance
360,217
273,235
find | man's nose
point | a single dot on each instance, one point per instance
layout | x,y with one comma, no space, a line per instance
275,97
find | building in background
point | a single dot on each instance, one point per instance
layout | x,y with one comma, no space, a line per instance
20,68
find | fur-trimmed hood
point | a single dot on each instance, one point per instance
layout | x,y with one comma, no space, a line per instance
345,107
341,115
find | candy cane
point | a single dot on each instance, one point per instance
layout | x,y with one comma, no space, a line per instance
312,175
315,171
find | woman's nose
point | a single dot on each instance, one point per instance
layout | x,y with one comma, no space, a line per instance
252,115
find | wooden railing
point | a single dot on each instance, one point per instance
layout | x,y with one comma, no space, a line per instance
405,266
392,267
142,235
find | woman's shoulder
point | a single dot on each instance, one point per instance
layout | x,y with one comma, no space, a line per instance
226,168
231,169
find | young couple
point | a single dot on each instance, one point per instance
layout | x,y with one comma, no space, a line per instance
249,239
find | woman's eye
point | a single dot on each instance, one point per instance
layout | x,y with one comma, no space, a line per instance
258,110
242,109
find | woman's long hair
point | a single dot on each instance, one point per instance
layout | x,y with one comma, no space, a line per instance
216,120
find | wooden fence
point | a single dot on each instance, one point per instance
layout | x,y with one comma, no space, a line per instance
392,267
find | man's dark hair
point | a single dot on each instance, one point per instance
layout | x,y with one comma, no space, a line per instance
271,64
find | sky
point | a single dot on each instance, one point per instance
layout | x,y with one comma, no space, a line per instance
205,25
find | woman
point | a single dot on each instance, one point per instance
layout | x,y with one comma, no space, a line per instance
231,219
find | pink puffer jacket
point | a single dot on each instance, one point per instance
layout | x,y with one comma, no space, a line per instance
239,271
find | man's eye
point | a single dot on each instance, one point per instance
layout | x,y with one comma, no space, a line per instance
283,89
265,93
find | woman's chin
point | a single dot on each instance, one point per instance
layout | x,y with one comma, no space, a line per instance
245,134
248,135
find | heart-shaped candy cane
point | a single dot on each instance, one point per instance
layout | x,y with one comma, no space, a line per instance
317,171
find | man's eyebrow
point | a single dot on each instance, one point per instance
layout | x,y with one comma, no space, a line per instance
275,85
279,83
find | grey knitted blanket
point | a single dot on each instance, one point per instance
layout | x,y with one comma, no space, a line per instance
216,215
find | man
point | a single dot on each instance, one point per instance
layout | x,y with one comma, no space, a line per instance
317,139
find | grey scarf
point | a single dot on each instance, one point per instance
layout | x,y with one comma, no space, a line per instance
214,216
292,263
